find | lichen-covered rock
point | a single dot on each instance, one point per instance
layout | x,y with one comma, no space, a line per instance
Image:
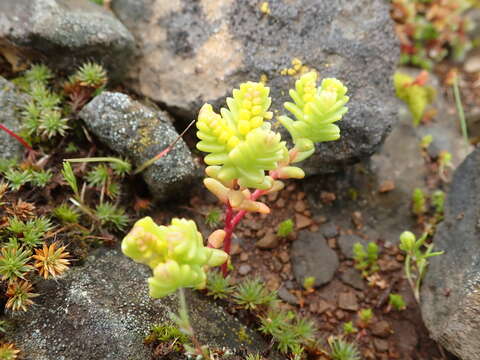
450,293
197,51
101,310
139,133
11,102
64,34
311,256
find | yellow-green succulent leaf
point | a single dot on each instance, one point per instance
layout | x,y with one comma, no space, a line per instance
417,97
241,145
175,253
315,109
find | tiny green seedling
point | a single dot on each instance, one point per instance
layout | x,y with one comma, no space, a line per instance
349,328
218,286
397,302
251,294
213,217
417,253
366,259
365,317
308,283
419,202
285,228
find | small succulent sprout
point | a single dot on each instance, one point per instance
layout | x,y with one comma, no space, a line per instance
241,145
349,328
365,316
397,302
309,282
408,242
419,202
315,109
285,228
438,201
8,351
415,95
342,350
218,286
175,253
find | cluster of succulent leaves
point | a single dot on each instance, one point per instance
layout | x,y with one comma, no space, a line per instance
397,302
416,95
366,258
431,30
431,206
285,228
242,146
175,253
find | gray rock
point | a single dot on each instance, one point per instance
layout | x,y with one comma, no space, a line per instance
229,42
66,33
311,256
353,278
450,297
11,102
399,160
287,296
139,133
329,230
346,242
102,311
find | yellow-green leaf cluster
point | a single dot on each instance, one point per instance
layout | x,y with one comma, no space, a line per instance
175,253
416,96
315,109
241,145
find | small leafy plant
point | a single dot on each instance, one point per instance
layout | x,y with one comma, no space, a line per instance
349,328
251,294
366,259
419,202
417,252
365,317
397,302
414,93
285,228
218,286
342,350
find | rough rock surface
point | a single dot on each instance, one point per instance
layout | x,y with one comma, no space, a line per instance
139,133
102,311
386,214
311,256
10,107
454,319
64,34
229,42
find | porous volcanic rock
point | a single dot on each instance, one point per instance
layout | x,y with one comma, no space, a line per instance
139,133
192,52
450,298
64,34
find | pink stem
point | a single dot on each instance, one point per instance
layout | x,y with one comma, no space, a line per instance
17,137
230,224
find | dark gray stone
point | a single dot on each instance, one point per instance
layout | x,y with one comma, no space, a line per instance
194,52
11,102
139,133
450,300
346,242
66,33
287,296
329,230
353,278
311,256
102,311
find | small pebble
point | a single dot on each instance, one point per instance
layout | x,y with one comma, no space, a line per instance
243,256
244,269
286,296
348,301
381,329
269,241
302,221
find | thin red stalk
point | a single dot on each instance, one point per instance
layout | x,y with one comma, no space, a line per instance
17,137
230,224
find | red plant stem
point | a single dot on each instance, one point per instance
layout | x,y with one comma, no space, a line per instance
17,137
230,224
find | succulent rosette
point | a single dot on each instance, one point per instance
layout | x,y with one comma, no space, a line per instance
315,109
175,253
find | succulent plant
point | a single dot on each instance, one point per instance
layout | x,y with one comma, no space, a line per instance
175,253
